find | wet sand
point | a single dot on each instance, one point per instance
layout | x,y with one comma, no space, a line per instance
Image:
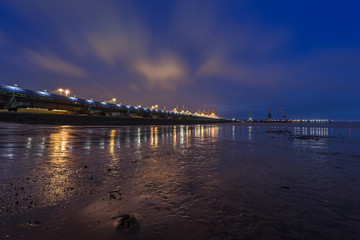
220,181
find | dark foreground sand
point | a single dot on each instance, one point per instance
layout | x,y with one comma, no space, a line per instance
223,181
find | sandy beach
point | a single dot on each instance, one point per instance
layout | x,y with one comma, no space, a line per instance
215,181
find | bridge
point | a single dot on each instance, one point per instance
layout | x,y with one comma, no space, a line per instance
13,98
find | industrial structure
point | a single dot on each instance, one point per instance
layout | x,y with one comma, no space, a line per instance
269,117
283,115
13,98
250,116
283,118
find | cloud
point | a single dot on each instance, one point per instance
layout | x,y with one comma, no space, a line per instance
216,66
246,74
165,72
133,86
238,52
55,64
108,47
114,44
120,41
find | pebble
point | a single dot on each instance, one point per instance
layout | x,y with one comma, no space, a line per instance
115,194
126,223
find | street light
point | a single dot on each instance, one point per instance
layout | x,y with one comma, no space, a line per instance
67,92
60,90
114,100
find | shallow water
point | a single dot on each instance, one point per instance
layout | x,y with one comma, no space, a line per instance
223,181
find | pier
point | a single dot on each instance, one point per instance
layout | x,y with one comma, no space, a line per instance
38,106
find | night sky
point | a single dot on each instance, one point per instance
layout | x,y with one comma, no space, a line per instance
303,56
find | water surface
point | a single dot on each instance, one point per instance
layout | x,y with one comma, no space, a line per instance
222,181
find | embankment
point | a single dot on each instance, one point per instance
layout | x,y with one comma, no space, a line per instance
69,119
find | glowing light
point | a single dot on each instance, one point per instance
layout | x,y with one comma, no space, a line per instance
15,88
60,91
67,91
43,93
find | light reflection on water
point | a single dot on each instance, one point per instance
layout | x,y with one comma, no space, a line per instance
188,175
58,153
250,133
60,143
58,148
313,131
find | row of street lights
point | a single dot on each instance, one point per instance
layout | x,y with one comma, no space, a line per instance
155,107
66,92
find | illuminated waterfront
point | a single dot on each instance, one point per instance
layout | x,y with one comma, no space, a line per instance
223,181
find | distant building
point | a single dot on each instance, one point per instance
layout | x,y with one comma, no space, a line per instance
250,116
283,115
269,118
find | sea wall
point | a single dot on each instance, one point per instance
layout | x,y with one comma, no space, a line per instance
68,119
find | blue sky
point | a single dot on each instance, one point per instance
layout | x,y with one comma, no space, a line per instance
303,56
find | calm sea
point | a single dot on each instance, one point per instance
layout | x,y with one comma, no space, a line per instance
222,181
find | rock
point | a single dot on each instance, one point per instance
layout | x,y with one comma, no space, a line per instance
115,194
33,223
126,223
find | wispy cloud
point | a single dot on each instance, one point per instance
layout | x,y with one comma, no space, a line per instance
55,64
114,45
165,72
243,73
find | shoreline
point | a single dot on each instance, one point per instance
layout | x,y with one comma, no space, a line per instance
82,120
